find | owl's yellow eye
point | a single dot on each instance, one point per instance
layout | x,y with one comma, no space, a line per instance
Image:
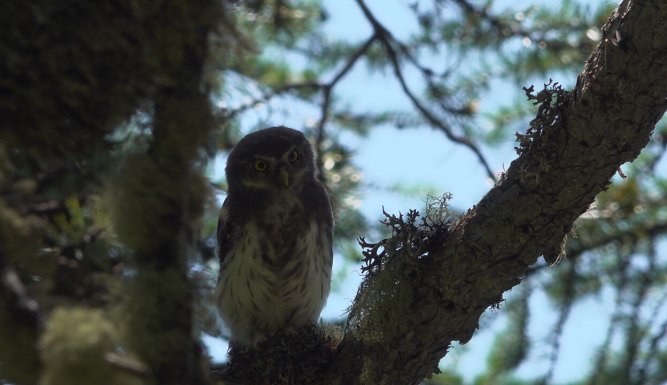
260,165
293,156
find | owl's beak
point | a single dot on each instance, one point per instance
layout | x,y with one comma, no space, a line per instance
284,176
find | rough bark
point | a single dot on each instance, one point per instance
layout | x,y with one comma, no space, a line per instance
581,142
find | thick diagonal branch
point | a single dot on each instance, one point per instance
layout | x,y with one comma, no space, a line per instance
604,122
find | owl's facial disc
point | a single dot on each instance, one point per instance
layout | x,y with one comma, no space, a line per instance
268,174
282,170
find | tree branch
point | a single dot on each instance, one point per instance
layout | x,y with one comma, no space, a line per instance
387,41
232,113
20,324
604,122
327,90
158,200
505,29
630,233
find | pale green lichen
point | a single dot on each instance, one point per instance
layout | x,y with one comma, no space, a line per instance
437,208
143,198
390,293
77,346
142,201
155,300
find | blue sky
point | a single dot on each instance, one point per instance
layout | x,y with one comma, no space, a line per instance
431,162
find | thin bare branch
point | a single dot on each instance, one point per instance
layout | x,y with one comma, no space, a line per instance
387,41
509,30
13,290
327,90
631,233
264,98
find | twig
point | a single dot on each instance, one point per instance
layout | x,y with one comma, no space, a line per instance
509,30
25,308
632,234
327,90
386,38
229,114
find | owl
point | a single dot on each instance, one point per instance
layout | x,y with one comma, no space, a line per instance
275,234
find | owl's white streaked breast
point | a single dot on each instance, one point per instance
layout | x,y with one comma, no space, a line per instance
277,213
259,298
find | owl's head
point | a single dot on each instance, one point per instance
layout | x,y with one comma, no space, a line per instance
276,158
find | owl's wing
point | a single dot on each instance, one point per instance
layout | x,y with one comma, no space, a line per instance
224,232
